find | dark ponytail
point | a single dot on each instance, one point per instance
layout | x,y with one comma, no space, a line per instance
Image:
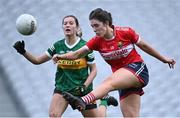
79,32
101,15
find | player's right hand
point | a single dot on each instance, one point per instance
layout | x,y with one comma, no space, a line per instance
20,47
55,58
171,63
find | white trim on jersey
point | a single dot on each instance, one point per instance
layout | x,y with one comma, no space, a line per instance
47,53
71,46
139,39
91,62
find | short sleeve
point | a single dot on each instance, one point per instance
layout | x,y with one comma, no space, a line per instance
92,44
90,58
51,51
133,36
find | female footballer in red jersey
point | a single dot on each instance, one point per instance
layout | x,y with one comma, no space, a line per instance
74,78
117,46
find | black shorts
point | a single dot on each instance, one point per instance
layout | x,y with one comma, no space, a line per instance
140,70
88,106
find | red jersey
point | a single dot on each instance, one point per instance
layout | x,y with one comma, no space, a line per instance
120,51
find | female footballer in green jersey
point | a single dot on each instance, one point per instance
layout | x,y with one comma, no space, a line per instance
72,75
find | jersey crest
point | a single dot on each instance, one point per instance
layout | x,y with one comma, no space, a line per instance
120,44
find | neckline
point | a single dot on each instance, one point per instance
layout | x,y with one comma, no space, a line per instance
110,38
71,46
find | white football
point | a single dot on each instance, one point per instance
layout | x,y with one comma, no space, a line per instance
26,24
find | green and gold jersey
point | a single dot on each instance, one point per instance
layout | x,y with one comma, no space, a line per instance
71,73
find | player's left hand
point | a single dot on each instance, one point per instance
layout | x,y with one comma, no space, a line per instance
170,62
20,47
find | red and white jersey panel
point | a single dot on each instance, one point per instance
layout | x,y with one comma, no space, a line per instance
120,51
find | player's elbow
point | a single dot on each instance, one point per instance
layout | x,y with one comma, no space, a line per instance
36,63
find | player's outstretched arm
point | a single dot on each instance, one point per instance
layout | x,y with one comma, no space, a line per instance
20,48
72,55
151,51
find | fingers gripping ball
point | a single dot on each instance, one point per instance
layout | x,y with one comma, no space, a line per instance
26,24
20,47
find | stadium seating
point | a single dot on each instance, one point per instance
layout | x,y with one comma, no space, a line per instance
156,21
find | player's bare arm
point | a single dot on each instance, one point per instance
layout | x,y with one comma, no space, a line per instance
151,51
36,60
20,47
72,55
92,74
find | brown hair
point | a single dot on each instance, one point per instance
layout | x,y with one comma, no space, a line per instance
79,32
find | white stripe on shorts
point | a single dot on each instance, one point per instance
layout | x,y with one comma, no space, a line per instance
140,70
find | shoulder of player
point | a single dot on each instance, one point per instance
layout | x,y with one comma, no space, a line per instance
125,29
96,38
82,40
85,41
60,42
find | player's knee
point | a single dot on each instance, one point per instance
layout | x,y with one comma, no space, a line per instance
130,114
127,112
53,114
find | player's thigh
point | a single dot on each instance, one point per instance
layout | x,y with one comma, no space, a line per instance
120,79
124,78
130,105
90,113
58,104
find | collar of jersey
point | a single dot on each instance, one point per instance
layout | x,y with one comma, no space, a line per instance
71,46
